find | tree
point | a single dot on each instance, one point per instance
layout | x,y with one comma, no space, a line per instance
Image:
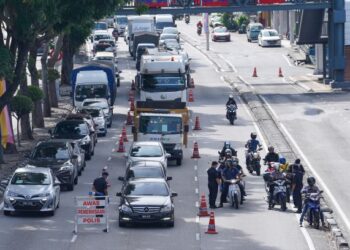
36,94
21,105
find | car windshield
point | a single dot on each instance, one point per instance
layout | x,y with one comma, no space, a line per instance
98,104
71,130
161,25
256,28
145,173
102,36
28,178
220,30
122,20
91,91
169,30
146,151
101,26
160,125
167,36
94,112
146,188
164,82
110,42
268,33
53,152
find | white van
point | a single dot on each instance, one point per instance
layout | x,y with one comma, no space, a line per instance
164,20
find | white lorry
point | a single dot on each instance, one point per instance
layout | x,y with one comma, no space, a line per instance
138,24
163,78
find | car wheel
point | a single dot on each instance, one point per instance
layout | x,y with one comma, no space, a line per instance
7,213
93,151
58,203
178,162
80,171
122,224
84,165
171,224
76,180
88,156
51,213
70,187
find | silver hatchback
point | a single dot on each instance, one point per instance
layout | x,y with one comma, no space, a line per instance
32,189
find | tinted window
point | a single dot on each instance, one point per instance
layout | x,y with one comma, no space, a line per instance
255,28
30,179
94,112
101,26
83,92
71,130
145,173
220,30
122,20
165,82
269,33
146,151
161,25
147,188
56,152
99,37
160,124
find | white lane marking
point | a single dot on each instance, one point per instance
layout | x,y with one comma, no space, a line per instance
306,235
270,108
197,236
109,158
1,205
74,238
197,219
246,82
195,167
196,191
287,60
195,178
197,204
318,178
254,123
229,63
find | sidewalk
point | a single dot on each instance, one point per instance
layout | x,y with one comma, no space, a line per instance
311,83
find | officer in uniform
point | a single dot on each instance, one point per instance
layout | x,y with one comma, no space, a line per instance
213,182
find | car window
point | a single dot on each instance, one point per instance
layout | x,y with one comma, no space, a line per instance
255,27
146,188
100,26
146,151
55,152
144,173
67,130
94,112
268,33
167,36
98,104
29,178
220,30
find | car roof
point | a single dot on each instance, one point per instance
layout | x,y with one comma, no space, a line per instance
33,169
145,164
146,143
150,180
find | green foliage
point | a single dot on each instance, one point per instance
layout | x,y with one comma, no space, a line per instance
5,63
141,9
242,19
21,105
35,93
53,75
228,21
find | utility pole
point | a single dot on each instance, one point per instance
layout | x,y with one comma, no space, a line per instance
206,28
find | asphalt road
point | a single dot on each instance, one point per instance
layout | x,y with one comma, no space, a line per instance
250,227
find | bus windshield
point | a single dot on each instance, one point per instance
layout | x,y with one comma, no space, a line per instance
164,82
160,125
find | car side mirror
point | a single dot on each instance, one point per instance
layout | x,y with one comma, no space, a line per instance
121,178
167,155
125,155
5,182
57,183
173,194
119,194
169,178
74,157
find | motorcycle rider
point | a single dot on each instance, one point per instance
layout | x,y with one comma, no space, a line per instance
199,24
229,173
275,175
235,163
226,147
283,164
252,145
310,188
231,101
271,155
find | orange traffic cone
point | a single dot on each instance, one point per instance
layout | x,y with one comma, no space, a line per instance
280,72
121,148
190,96
195,154
203,209
211,226
124,136
192,83
129,119
133,87
131,96
197,125
132,106
254,72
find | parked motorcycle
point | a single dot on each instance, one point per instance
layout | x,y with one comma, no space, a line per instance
314,209
253,162
231,113
234,194
199,30
279,195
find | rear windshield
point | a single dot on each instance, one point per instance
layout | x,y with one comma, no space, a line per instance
147,188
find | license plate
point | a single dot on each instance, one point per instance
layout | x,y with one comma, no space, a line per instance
26,203
146,216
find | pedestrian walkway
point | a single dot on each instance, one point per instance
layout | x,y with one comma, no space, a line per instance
311,83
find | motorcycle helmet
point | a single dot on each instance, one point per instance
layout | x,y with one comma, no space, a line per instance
228,152
256,155
271,149
311,181
227,144
253,135
282,160
230,96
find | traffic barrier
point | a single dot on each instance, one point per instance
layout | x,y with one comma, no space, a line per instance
255,74
211,225
280,72
124,135
121,148
190,96
203,209
132,106
197,125
133,87
129,119
195,154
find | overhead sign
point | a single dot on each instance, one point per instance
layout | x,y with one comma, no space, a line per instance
91,210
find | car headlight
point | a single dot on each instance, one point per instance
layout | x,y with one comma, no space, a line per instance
125,208
12,194
178,146
85,140
166,208
67,166
44,195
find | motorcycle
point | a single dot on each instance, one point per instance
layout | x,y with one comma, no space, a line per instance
199,30
231,113
234,194
314,209
279,195
187,19
253,162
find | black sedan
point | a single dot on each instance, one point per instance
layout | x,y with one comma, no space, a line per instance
146,201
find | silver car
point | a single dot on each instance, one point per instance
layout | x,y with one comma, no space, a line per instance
147,151
99,119
32,189
103,104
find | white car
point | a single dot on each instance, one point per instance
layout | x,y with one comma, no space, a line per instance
103,104
147,151
99,119
32,189
99,35
172,30
220,34
164,37
269,37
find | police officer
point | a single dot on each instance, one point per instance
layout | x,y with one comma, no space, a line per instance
297,186
213,182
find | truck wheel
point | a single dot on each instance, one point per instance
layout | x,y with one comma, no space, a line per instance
178,162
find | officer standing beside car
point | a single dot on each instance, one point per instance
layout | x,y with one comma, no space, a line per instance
213,182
